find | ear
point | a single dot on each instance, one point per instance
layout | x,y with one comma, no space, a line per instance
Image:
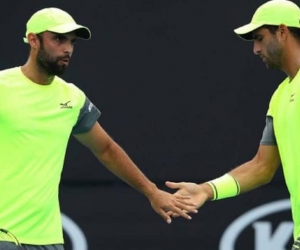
33,40
283,31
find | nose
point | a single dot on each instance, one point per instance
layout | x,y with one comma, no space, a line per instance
69,47
256,48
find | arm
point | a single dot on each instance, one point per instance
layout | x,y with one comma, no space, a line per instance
112,156
250,175
259,171
118,162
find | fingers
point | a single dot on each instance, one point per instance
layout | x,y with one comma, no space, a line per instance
180,210
182,213
185,209
189,209
166,217
174,215
174,185
182,207
182,197
185,200
173,211
166,205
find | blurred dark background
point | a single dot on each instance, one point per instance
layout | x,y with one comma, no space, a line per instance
182,94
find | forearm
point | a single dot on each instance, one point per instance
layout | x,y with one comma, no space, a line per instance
115,159
243,178
251,175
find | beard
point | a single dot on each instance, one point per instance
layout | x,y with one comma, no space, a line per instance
48,63
274,58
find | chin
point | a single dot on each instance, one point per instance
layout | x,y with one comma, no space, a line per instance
271,66
60,72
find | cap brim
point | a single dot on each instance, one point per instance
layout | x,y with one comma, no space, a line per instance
81,31
245,32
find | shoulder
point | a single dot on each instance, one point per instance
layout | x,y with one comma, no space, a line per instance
276,97
69,89
11,72
10,77
279,89
67,86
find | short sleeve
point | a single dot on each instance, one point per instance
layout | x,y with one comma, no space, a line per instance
88,116
268,136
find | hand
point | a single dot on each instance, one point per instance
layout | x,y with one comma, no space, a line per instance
198,194
163,203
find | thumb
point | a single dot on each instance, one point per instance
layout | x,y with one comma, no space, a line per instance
173,185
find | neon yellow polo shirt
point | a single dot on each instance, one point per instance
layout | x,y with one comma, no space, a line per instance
285,110
35,125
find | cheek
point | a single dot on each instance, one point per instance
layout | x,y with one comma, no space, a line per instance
52,47
53,52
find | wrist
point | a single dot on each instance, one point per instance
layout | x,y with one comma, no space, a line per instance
149,190
224,187
208,191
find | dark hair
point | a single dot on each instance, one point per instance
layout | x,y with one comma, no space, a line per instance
294,31
40,37
271,28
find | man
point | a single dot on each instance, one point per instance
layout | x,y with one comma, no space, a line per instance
38,113
275,30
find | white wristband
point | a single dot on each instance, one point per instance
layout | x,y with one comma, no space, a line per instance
224,187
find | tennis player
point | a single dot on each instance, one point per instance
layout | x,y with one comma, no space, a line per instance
275,31
38,113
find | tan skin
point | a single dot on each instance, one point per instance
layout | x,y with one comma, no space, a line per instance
108,152
261,169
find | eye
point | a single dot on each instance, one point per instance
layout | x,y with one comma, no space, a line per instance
59,38
73,41
258,38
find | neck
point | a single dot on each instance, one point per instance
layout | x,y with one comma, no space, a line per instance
31,70
291,62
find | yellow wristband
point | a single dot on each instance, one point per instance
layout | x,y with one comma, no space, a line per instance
224,187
